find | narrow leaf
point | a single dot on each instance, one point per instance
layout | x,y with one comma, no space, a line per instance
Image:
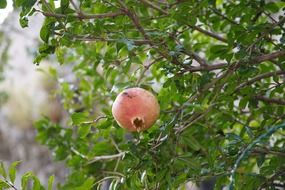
78,118
50,182
84,130
3,184
2,170
12,171
25,179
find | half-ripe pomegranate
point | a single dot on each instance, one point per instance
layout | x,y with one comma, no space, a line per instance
135,109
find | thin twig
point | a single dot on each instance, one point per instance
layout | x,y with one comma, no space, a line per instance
106,178
115,144
194,120
152,5
78,153
95,120
223,16
145,69
209,33
191,54
10,184
50,11
98,38
196,57
106,157
275,21
114,173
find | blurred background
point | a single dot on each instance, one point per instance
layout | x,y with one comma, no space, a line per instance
26,94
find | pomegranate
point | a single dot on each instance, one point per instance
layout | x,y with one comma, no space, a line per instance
135,109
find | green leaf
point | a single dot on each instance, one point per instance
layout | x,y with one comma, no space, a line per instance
4,184
50,182
36,184
46,29
84,130
192,142
260,160
19,3
3,4
59,55
52,5
272,7
78,118
45,32
24,22
243,103
25,179
39,58
30,176
105,124
46,49
61,153
87,185
219,49
53,72
64,5
12,171
2,170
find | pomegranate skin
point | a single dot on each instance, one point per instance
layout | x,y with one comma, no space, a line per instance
135,109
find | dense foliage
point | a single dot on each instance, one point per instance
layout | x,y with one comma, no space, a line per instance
216,66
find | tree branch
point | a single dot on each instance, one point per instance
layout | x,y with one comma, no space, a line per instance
270,100
267,57
259,77
268,151
254,60
82,16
